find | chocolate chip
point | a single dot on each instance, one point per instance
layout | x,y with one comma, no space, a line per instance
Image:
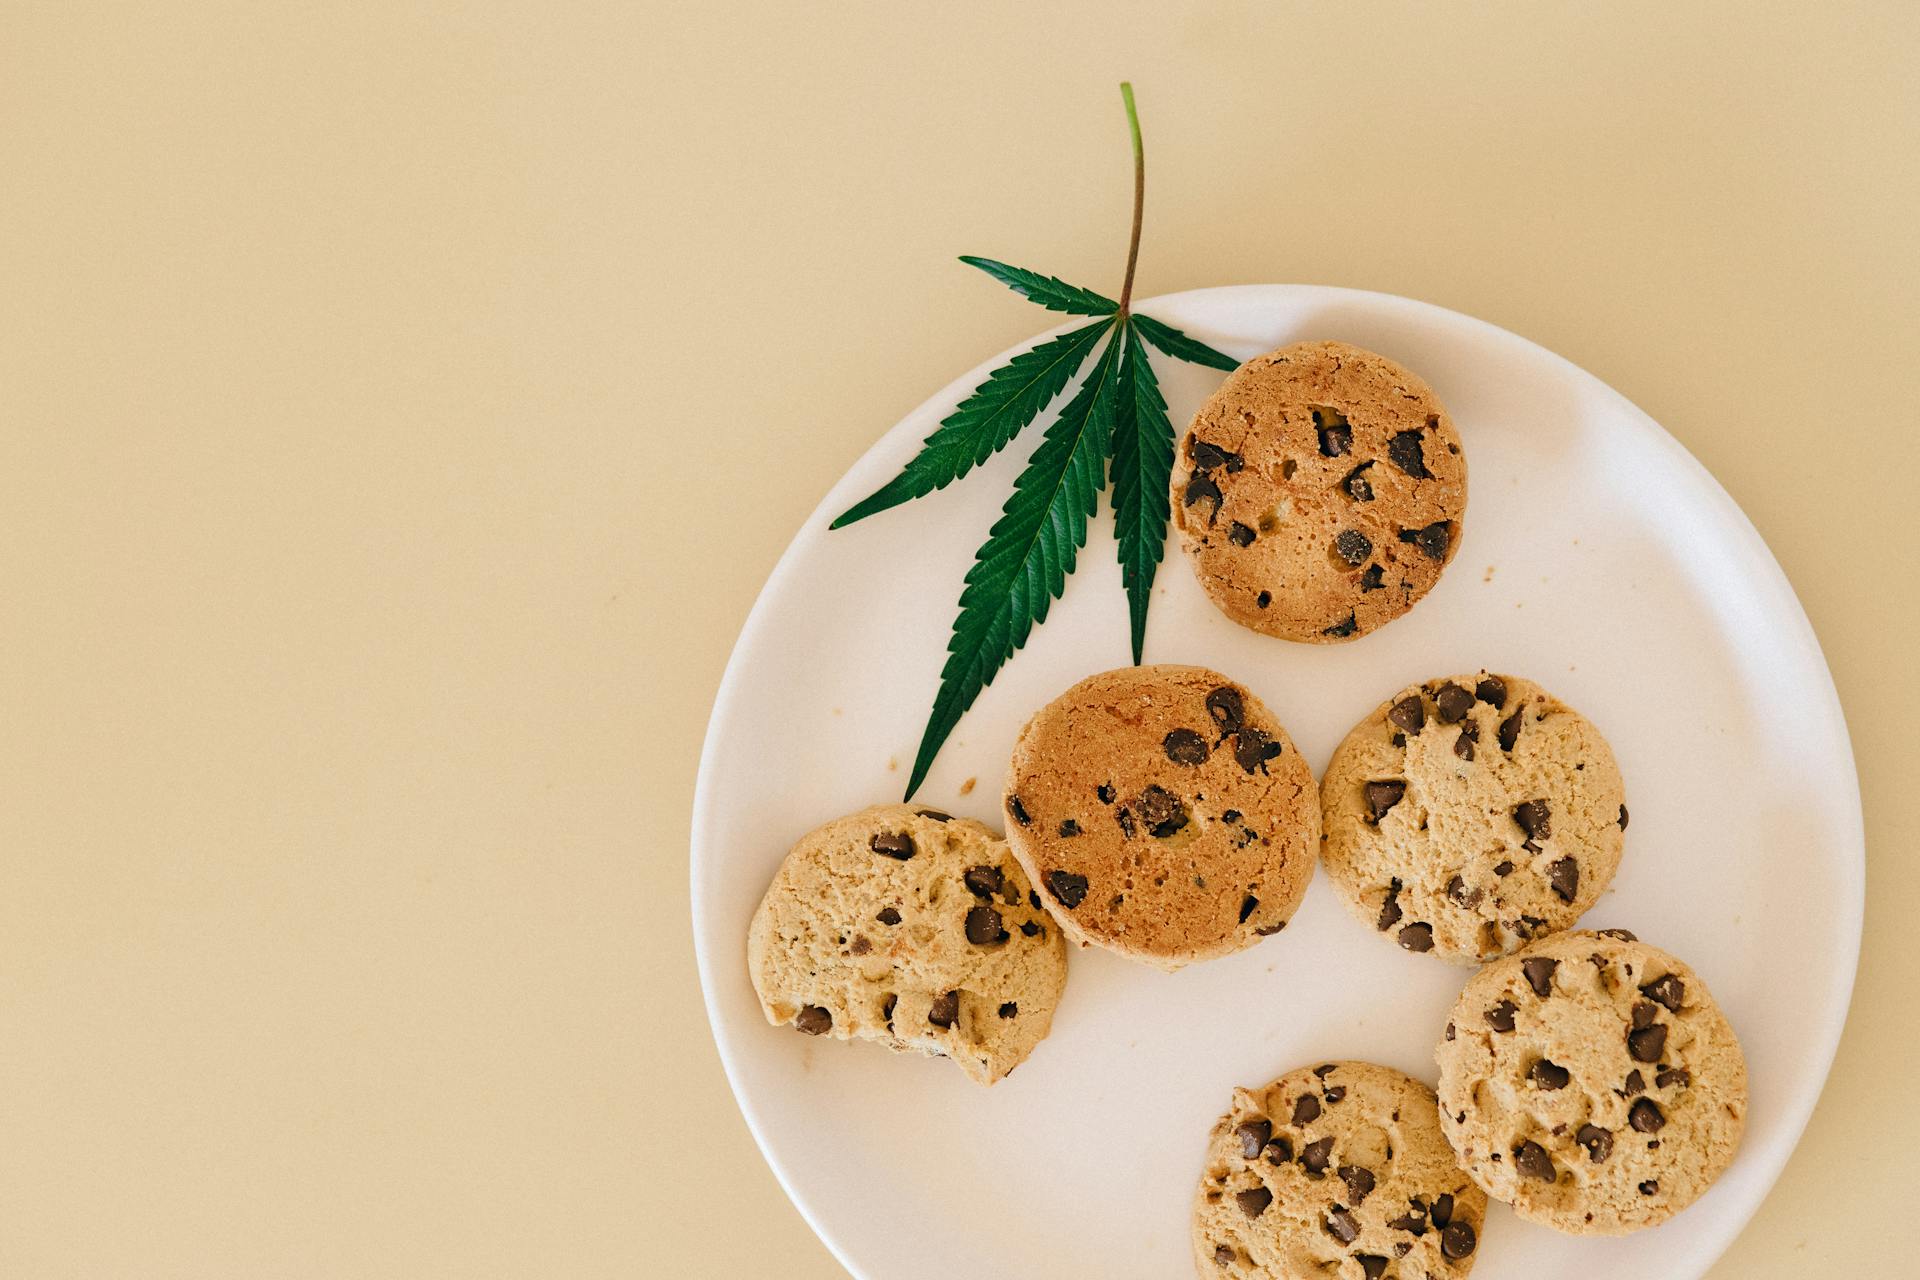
1431,540
1359,1182
1125,818
1534,818
1491,690
1500,1017
1268,930
1033,900
1647,1044
1019,811
1442,1211
814,1021
945,1010
1564,875
1382,796
1306,1109
892,844
1336,1094
1372,1265
1404,452
886,1008
1161,811
1336,437
1532,1159
1223,1254
1634,1083
1356,485
1390,908
1453,702
1241,535
1539,974
1009,1010
1549,1075
1623,817
1624,935
888,916
1416,1223
1254,1136
1463,745
1201,488
1231,815
1345,627
1668,991
1450,1032
1646,1117
1254,1201
984,928
1458,891
1410,713
1597,1141
935,815
1352,546
1416,937
1340,1225
1248,905
1105,792
1184,746
1228,709
1458,1240
1671,1076
1030,929
1208,456
860,945
1649,1187
1252,748
1503,868
1374,579
1262,600
1069,888
984,882
1510,730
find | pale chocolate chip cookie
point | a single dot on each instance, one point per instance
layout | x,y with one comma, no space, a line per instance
1164,814
904,925
1468,815
1335,1172
1591,1082
1319,492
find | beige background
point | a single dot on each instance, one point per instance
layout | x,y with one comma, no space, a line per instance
400,406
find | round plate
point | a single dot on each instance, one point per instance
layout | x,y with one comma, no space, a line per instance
1597,558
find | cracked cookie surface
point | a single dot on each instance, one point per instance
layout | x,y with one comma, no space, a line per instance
903,925
1469,815
1591,1082
1164,814
1335,1172
1319,492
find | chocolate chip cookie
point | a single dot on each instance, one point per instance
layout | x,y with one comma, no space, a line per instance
1591,1082
1319,492
1467,816
903,925
1164,814
1335,1172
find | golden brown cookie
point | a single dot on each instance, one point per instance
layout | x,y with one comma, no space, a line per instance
1164,814
1592,1083
918,930
1319,492
1465,816
1335,1172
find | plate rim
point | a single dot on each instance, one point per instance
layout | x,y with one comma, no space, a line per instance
1748,542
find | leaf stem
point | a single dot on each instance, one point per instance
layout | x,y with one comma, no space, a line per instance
1139,193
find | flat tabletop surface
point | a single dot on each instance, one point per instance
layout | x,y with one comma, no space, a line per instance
402,405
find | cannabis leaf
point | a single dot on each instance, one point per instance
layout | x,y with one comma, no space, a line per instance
1117,417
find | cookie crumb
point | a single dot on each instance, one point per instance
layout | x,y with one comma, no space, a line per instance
966,788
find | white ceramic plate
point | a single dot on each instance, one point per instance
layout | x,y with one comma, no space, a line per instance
1597,558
